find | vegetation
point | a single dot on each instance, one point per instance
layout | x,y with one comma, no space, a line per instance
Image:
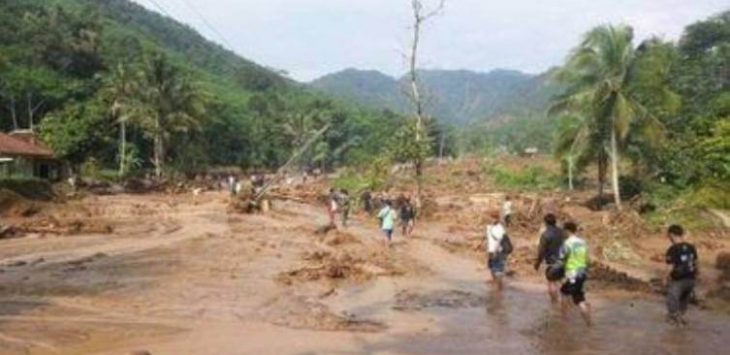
600,77
457,97
111,82
112,86
659,110
531,178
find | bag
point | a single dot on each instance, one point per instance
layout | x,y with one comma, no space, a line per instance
506,245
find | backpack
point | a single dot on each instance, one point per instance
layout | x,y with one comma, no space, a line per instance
506,245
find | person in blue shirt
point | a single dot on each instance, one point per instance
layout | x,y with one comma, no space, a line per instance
387,218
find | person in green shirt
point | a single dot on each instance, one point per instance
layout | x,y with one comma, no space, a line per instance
387,217
574,255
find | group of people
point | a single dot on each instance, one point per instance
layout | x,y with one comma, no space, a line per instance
566,258
400,212
236,186
561,249
406,215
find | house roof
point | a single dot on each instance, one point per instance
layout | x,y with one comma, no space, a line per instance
18,147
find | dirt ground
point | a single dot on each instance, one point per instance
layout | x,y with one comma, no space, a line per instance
182,274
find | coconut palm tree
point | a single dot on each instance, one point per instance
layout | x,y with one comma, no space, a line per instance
121,89
599,75
173,105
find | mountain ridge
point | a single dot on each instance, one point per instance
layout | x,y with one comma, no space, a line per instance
459,97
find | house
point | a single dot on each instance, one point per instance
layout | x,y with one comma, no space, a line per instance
24,155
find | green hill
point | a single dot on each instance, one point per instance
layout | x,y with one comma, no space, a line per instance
459,97
58,65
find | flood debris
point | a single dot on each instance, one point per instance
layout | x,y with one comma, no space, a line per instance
300,312
608,276
407,300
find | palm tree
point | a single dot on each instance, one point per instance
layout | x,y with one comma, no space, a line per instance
173,103
122,90
598,76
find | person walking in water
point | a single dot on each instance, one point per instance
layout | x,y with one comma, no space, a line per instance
682,271
345,204
387,221
332,205
407,217
574,255
551,242
498,248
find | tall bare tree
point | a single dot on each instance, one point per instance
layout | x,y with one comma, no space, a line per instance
420,16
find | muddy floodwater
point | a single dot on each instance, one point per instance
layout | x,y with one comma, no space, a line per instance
182,275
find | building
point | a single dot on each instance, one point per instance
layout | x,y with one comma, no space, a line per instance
24,155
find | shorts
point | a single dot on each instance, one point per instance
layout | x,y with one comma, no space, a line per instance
388,234
496,264
554,273
574,287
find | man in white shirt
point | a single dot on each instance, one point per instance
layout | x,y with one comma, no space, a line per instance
496,259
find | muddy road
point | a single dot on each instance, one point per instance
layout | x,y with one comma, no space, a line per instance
180,275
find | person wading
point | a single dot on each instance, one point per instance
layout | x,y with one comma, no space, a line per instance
407,217
332,206
499,247
551,242
574,255
387,221
346,204
681,274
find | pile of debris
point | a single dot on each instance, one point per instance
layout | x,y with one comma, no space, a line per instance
14,205
604,275
52,225
301,312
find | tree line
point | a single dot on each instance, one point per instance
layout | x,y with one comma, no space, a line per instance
133,100
647,115
654,112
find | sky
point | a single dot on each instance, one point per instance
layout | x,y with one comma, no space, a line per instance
311,38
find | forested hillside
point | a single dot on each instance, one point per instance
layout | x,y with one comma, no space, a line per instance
457,97
113,85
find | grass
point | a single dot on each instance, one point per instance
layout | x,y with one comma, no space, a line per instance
531,178
686,207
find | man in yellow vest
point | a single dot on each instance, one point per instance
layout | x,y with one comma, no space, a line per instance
574,255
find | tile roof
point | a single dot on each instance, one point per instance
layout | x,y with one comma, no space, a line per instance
12,146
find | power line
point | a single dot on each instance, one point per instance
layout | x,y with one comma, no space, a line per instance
159,7
207,23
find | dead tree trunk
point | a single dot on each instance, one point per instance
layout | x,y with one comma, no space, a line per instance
419,18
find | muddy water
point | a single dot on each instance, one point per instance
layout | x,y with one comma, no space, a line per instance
453,310
523,322
208,287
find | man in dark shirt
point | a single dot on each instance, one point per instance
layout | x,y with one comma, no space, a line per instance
551,242
681,273
407,217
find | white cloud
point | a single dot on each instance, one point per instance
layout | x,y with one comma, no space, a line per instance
309,38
